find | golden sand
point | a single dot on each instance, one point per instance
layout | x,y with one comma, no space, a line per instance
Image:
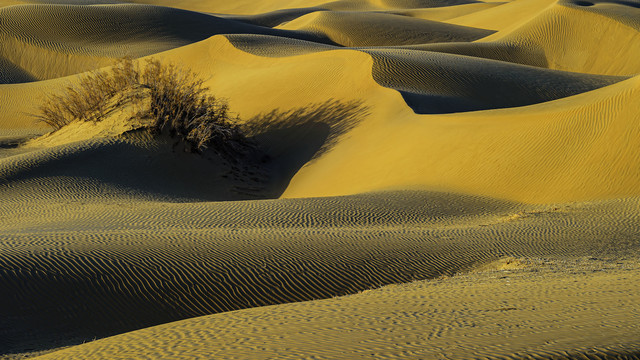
442,179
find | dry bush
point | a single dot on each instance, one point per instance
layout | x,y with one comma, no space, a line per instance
180,103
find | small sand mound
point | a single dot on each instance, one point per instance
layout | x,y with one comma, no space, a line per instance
122,115
506,263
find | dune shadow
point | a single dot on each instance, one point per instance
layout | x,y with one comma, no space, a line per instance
292,138
627,3
585,3
274,18
141,165
438,104
11,73
443,83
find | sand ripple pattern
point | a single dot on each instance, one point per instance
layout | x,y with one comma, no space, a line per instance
89,36
107,236
147,263
522,313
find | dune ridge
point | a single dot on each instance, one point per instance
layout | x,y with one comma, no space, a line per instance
378,29
96,34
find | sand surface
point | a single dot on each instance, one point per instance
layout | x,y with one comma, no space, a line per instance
441,179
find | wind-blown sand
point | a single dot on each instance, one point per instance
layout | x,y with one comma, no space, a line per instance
441,179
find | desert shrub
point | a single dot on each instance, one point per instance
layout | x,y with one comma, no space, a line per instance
180,103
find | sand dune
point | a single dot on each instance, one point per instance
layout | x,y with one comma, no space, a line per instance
417,321
94,35
245,7
565,36
505,17
147,263
447,12
395,141
376,29
600,42
441,83
574,170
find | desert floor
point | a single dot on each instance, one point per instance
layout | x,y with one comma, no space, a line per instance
442,179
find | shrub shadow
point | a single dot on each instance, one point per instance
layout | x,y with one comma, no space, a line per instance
141,164
292,138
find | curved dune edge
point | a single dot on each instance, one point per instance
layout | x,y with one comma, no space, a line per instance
598,39
91,36
447,12
504,18
556,151
581,39
247,7
526,308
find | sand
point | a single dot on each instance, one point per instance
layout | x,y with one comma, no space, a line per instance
418,321
441,179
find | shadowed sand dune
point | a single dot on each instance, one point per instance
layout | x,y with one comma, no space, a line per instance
440,83
249,8
375,29
417,321
482,156
147,263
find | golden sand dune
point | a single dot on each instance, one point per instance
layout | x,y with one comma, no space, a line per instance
593,39
246,7
447,12
441,83
418,321
87,37
376,29
505,17
150,262
393,141
575,36
576,148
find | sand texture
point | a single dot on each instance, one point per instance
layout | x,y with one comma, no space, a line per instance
431,179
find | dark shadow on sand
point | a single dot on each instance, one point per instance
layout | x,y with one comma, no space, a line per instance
292,138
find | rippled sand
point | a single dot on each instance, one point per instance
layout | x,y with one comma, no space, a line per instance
443,179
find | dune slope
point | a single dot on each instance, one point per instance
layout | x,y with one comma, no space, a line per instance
447,317
89,36
378,29
148,263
